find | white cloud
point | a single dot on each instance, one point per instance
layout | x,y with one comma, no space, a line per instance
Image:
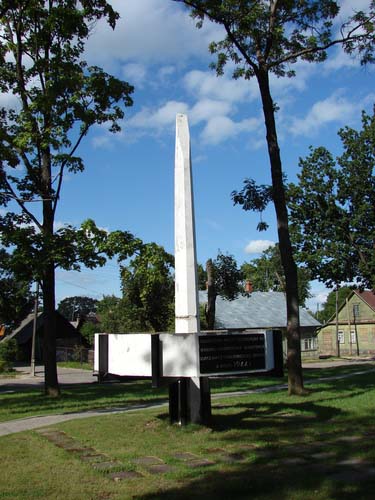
9,101
258,246
348,7
134,73
207,108
333,109
160,118
152,31
221,128
205,84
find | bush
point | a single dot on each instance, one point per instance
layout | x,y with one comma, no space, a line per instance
4,366
88,331
8,350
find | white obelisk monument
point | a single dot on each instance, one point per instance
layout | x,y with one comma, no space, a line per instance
195,391
186,289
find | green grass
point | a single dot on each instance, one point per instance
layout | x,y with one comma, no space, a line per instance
31,402
75,364
334,423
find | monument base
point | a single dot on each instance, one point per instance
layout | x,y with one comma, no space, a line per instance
190,401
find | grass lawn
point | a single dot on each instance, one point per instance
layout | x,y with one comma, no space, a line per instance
31,402
75,364
261,446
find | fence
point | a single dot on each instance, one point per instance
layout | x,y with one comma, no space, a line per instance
77,353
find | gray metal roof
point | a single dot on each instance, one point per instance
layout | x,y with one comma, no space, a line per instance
259,310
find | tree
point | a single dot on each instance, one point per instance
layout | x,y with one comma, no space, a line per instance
332,209
16,300
266,274
223,279
148,290
110,314
264,37
60,99
74,307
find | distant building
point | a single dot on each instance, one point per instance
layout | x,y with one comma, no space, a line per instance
263,311
66,335
356,327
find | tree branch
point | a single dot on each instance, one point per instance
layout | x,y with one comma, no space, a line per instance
21,204
63,165
313,50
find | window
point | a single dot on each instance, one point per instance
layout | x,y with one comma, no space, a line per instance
341,337
353,339
356,311
308,344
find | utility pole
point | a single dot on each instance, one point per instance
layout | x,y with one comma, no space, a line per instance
32,365
337,321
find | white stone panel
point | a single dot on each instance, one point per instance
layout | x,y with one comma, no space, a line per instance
180,355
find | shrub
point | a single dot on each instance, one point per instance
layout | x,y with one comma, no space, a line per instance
8,350
4,366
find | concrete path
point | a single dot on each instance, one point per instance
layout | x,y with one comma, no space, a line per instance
23,380
19,425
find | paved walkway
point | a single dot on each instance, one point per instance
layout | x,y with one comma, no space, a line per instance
19,425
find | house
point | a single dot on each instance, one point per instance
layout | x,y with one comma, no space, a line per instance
66,335
354,331
263,311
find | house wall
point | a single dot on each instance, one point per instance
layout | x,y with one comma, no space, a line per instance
356,317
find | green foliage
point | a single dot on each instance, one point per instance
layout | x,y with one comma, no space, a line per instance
266,274
74,307
88,330
276,34
4,366
255,198
332,209
111,315
148,290
16,300
227,277
202,277
61,98
8,350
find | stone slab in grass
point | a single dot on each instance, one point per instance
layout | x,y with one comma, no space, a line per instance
123,475
95,457
203,462
104,466
185,456
353,461
160,469
323,455
233,457
148,460
216,450
349,439
249,446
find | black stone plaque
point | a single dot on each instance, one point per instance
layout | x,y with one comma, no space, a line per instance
232,353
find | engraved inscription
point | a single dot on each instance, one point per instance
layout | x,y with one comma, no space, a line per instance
232,353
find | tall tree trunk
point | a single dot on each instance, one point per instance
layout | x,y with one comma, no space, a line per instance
211,296
295,378
51,385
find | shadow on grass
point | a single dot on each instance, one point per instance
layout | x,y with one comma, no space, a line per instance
297,459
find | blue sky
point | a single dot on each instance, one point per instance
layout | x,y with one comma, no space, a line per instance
128,180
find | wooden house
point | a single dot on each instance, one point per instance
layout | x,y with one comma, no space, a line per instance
353,332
